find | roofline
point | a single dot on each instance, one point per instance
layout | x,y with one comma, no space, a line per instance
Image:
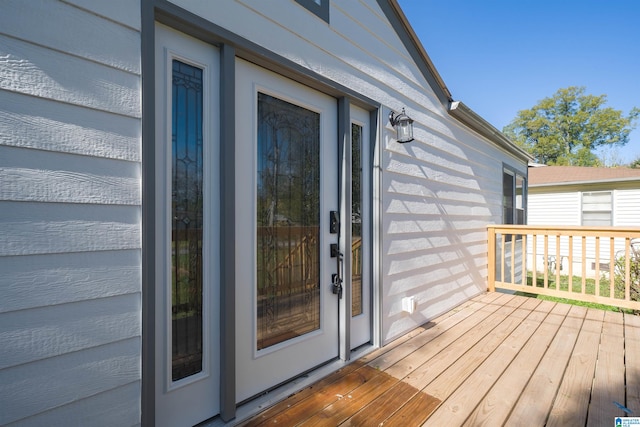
456,109
599,181
466,115
396,16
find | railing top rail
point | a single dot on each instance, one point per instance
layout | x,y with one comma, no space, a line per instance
614,231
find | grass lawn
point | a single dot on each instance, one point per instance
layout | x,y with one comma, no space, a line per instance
576,285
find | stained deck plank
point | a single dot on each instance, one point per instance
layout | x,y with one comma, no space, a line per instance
496,360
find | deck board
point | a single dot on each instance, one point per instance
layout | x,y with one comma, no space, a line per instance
496,360
572,402
461,403
608,384
537,398
632,362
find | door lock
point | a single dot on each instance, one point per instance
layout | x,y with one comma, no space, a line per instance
334,222
336,285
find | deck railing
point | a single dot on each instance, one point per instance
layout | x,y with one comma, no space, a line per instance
592,264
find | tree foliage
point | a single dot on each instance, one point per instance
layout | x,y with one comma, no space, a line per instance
566,128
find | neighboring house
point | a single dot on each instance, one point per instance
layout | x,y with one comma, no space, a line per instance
584,196
173,175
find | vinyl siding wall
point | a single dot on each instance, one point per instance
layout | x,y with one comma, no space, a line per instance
626,207
438,192
70,211
563,206
554,208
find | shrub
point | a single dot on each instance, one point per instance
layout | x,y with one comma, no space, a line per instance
634,272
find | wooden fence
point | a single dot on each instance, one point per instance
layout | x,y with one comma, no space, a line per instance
593,264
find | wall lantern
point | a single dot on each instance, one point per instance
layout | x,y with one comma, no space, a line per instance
403,125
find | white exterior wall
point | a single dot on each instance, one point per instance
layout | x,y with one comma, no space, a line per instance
70,203
626,207
564,207
554,208
438,192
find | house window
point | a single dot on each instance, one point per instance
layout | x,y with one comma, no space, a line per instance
596,208
514,187
319,7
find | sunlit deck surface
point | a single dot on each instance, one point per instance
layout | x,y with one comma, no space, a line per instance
496,360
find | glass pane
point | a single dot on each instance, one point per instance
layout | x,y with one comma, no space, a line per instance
186,220
507,197
288,221
356,220
519,207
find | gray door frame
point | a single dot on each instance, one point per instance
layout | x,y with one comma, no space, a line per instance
231,47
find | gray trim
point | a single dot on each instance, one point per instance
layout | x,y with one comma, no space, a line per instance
467,116
231,47
525,188
375,233
411,42
198,27
148,215
227,233
320,10
344,203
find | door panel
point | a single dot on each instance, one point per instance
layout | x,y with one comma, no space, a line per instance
286,315
187,311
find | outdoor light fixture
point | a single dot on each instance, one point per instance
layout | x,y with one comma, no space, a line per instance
403,125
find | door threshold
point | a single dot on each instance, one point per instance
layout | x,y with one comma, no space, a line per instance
266,400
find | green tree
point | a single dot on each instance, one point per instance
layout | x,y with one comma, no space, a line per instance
566,128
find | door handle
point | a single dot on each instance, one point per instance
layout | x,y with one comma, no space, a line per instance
336,285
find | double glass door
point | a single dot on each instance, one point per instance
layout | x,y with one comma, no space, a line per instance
287,317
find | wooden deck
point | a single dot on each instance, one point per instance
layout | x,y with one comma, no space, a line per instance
496,360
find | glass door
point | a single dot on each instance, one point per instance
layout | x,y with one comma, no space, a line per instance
286,314
187,309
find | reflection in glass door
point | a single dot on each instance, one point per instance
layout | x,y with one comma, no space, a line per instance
286,185
361,247
356,220
288,221
186,220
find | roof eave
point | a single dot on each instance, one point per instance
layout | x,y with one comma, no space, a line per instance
394,13
587,182
470,118
455,108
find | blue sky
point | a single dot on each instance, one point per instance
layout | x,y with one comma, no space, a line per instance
502,56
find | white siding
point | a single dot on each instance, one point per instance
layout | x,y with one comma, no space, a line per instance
626,207
70,200
554,208
557,207
438,192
